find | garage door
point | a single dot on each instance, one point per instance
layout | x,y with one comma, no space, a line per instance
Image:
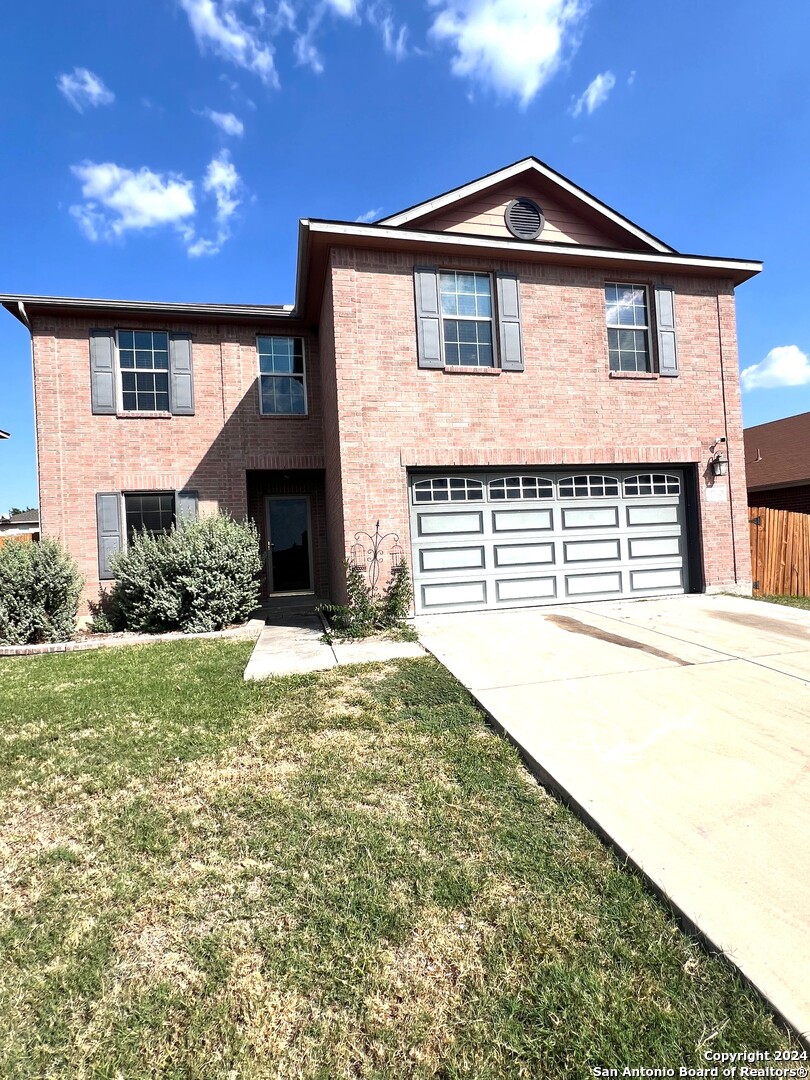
519,538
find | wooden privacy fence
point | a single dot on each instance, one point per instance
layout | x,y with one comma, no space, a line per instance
780,551
16,538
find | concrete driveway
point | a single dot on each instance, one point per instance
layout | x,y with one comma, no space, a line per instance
681,726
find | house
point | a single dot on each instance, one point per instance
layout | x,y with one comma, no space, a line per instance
777,463
523,385
21,526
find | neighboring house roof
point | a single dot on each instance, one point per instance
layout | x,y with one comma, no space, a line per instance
777,454
27,517
531,167
4,435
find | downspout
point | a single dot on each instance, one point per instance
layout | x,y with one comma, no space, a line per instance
725,432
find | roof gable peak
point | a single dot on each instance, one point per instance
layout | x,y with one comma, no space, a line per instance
434,213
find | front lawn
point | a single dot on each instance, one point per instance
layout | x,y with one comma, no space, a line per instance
331,876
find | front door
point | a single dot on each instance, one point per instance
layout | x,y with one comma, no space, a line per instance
290,562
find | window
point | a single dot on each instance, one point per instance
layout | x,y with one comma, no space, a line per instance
153,511
448,489
521,487
467,318
628,327
652,484
588,487
282,387
143,360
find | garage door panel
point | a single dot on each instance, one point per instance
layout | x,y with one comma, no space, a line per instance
593,584
452,558
523,554
454,594
642,580
508,590
449,524
648,548
590,550
560,537
599,517
522,520
652,515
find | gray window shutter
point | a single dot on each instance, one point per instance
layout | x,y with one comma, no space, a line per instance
181,389
665,322
102,371
509,334
185,505
108,526
428,317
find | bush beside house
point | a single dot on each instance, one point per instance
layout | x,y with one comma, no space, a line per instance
200,576
40,586
367,611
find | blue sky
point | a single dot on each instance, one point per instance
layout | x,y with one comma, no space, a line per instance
169,155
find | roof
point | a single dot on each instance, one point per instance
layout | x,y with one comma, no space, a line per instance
529,165
777,454
27,517
408,232
17,305
4,435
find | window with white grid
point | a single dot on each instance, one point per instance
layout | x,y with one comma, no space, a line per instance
282,381
521,487
628,327
467,318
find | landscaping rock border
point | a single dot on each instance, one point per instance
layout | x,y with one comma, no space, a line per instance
249,631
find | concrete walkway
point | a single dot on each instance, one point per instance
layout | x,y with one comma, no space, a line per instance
292,644
681,727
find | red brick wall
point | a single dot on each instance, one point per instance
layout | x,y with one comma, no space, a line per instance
565,408
81,454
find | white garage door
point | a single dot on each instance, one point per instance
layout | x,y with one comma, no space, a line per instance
509,538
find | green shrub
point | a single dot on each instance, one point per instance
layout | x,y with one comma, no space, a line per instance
367,611
40,586
200,576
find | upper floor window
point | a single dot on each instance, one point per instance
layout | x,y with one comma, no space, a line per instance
628,327
467,318
143,360
282,382
141,372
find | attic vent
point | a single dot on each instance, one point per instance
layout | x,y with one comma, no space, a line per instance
524,219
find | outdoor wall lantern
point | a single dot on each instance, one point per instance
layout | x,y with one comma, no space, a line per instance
719,462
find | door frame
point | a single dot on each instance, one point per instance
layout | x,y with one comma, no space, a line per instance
289,592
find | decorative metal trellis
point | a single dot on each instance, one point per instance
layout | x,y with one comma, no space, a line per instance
374,556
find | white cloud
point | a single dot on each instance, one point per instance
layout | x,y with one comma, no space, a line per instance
513,46
596,93
306,54
119,201
347,8
226,122
216,26
81,87
223,182
786,365
394,40
369,216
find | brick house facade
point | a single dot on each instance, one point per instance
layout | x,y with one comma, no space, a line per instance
523,385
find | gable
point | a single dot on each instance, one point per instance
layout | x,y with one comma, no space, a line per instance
572,216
